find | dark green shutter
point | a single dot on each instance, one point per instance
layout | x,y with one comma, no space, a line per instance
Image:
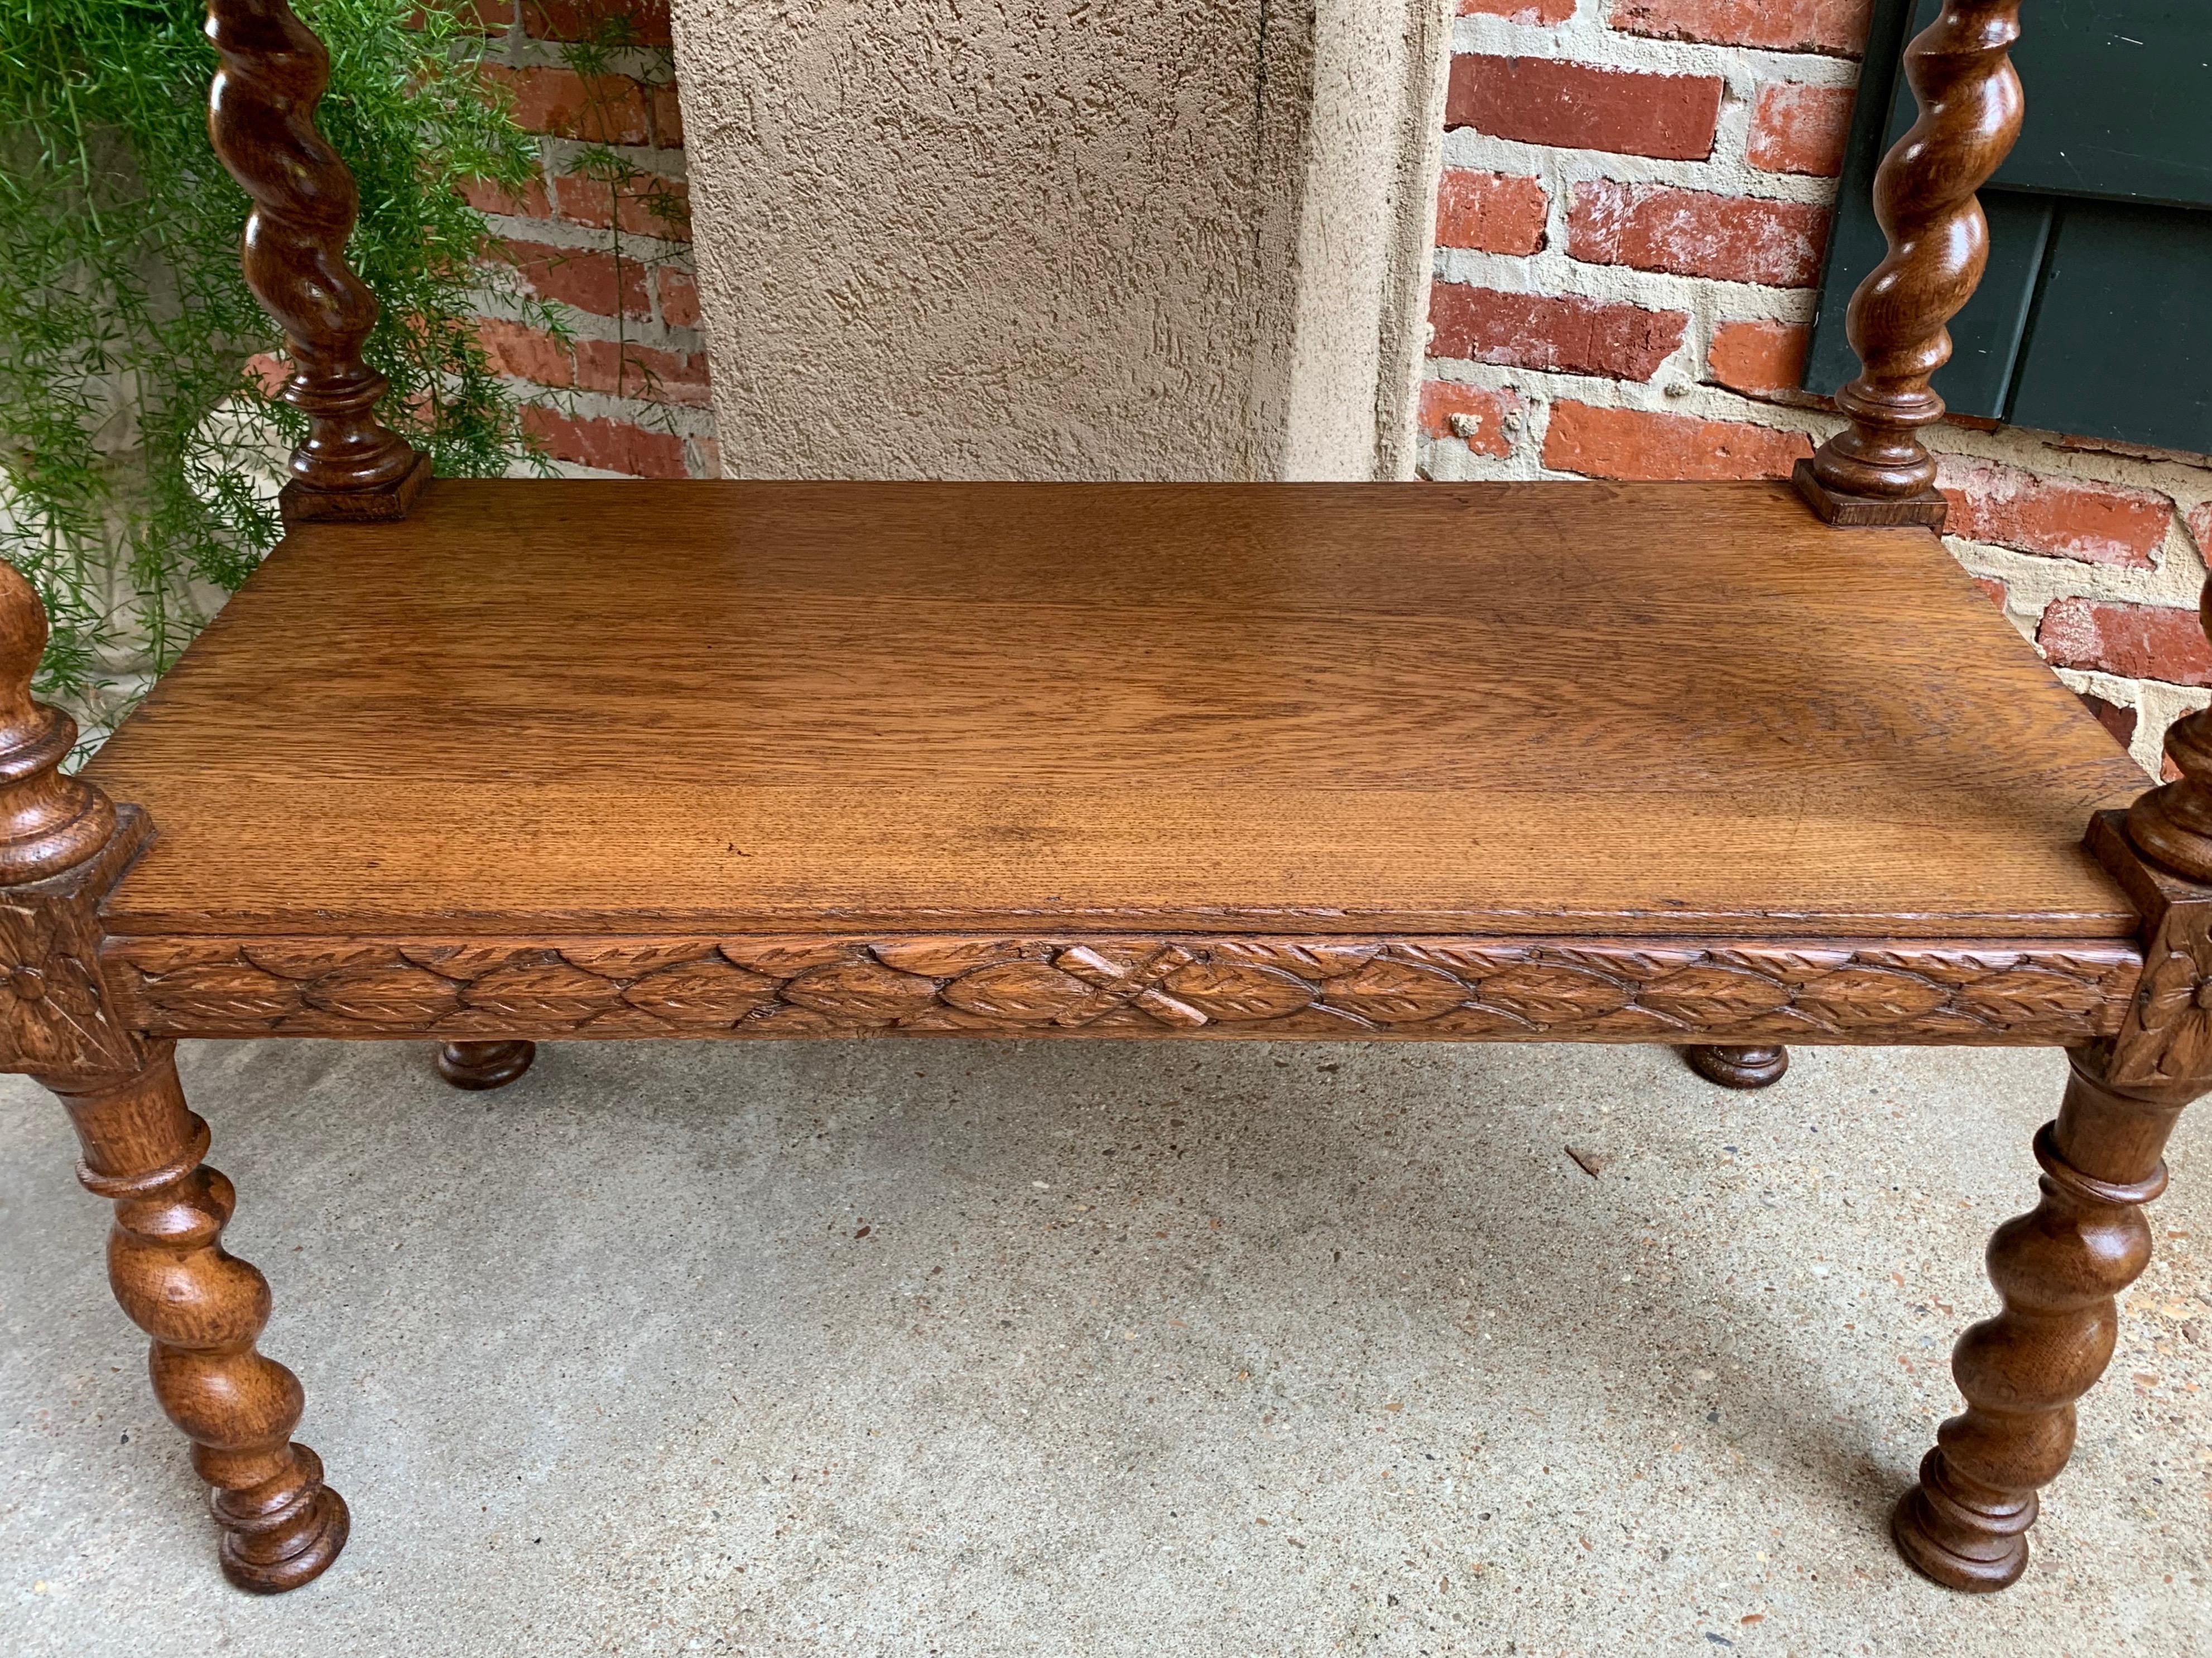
2095,318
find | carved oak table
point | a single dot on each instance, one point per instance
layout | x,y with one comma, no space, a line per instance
1726,766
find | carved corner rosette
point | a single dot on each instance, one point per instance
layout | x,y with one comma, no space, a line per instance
2165,1040
59,1020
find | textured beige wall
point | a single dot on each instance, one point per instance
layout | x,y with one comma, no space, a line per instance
1140,238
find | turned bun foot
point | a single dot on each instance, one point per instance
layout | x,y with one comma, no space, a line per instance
485,1065
1975,1550
1738,1067
269,1553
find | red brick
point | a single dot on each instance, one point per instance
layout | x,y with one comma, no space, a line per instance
580,20
706,458
1637,444
589,202
1475,416
639,371
488,197
529,354
492,16
1491,212
612,446
2112,716
1520,11
270,370
2200,528
1993,589
679,298
1760,358
604,109
624,369
1796,128
1694,233
667,116
2070,518
2135,641
1542,100
1836,26
583,277
1542,330
1551,332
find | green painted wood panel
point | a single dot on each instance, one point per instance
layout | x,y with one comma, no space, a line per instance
2117,146
2122,340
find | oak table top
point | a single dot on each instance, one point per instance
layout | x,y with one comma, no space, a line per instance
592,706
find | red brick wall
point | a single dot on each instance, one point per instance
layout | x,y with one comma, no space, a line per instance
1633,212
628,393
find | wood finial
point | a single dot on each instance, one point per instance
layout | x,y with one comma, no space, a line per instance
261,115
49,822
1876,470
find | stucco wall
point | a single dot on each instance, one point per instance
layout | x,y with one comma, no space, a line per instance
1049,238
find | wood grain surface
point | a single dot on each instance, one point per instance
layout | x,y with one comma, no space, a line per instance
559,708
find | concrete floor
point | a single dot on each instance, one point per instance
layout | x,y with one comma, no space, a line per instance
1098,1348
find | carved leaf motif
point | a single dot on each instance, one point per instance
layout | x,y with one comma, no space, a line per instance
1861,996
1712,993
947,958
1319,1020
1393,992
1549,995
1395,987
1634,1023
709,992
780,958
2027,997
782,1019
1302,958
1638,963
464,961
1477,1021
1025,993
865,992
312,960
231,989
160,956
634,958
1795,966
1470,960
1948,967
543,989
389,995
1228,991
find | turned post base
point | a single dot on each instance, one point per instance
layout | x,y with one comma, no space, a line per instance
480,1065
1738,1067
1975,1546
2058,1271
205,1308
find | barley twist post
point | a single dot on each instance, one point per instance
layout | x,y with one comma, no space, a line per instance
261,115
62,845
205,1308
2058,1271
1876,471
